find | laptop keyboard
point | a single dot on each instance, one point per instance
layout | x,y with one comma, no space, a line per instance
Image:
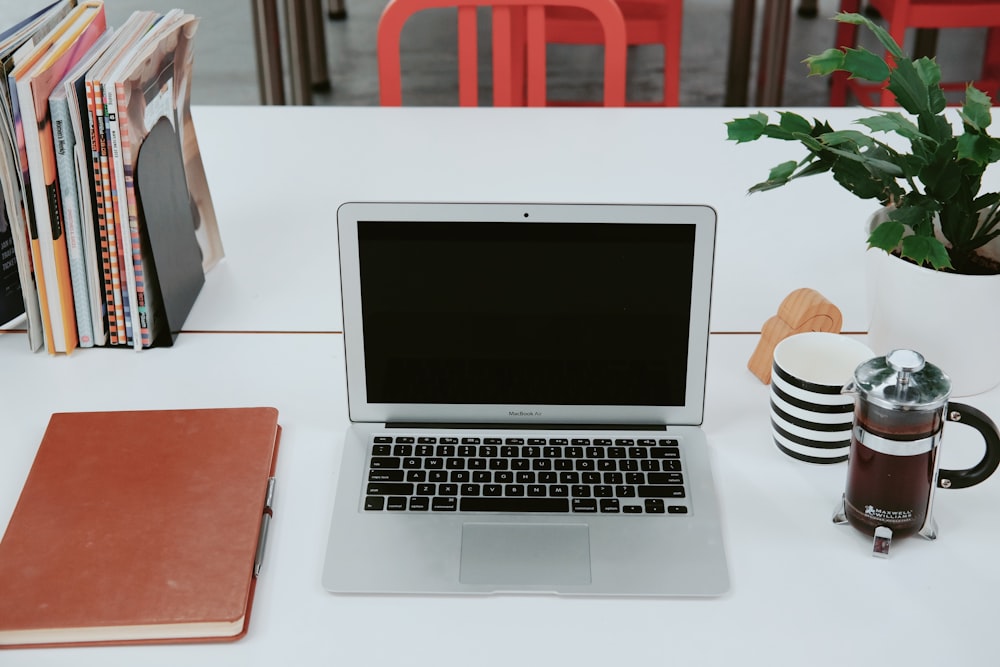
513,474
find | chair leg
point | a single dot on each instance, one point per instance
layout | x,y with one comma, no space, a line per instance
336,10
672,55
808,9
991,63
925,44
468,58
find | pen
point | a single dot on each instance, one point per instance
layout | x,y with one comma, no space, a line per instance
265,524
269,494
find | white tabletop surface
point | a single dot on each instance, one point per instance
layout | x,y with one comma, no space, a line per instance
803,590
279,174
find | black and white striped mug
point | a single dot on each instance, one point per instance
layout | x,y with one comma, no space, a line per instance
811,418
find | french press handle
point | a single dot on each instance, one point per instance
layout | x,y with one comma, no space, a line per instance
970,416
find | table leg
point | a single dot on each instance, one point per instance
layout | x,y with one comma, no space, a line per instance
268,49
740,48
297,30
773,52
319,73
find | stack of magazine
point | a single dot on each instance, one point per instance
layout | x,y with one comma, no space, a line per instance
106,226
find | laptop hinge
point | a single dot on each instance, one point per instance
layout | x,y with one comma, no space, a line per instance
528,427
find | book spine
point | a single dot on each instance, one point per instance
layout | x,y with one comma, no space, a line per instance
129,224
145,312
94,121
116,312
91,246
12,201
76,92
65,146
123,245
29,213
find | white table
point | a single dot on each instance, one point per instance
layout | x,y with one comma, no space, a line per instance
804,591
279,173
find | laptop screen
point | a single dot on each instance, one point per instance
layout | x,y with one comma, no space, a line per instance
533,313
526,313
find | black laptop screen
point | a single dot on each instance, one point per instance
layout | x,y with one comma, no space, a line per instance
526,313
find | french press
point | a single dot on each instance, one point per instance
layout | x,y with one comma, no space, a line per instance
901,404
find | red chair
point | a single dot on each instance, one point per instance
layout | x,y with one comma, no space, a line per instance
646,22
901,15
519,73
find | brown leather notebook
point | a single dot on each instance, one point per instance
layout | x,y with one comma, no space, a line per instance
139,527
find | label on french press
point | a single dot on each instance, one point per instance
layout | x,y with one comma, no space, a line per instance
879,515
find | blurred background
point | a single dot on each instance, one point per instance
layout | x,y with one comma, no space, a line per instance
226,71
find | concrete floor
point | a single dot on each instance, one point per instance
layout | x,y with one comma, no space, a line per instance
225,69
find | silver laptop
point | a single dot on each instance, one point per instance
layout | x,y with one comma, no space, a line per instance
525,385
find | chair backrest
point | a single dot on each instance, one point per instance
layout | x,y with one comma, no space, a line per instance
519,75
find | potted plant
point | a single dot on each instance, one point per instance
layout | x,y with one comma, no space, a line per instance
935,226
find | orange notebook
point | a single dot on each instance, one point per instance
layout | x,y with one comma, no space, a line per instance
139,527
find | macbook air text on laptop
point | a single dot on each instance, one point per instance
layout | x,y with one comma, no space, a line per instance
526,386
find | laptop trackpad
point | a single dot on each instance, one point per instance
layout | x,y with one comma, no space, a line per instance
525,554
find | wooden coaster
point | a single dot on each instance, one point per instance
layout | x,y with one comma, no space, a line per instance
803,310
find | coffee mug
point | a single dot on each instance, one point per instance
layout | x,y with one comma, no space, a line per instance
811,418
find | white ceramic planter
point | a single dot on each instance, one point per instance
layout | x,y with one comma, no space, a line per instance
952,320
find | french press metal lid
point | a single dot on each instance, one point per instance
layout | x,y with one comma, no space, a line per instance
901,380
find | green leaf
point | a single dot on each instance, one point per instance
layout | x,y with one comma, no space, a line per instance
746,129
764,186
912,216
863,64
937,128
887,235
930,74
880,33
858,180
945,184
926,250
773,131
873,164
824,63
976,147
783,171
812,143
986,201
942,177
841,137
793,122
893,121
976,110
909,88
778,176
815,167
790,127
